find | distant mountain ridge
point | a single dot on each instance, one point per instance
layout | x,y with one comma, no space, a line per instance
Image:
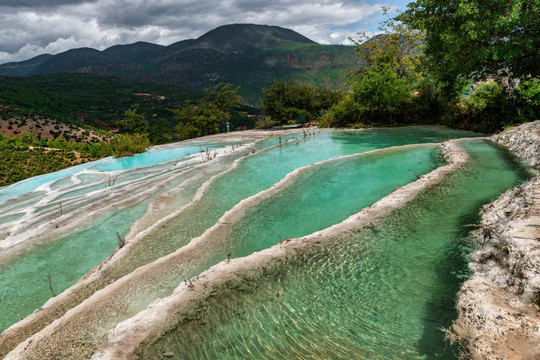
248,55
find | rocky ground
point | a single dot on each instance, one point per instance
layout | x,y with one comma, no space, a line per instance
48,129
499,306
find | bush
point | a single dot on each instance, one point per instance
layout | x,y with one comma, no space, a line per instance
342,114
489,108
129,144
382,98
528,99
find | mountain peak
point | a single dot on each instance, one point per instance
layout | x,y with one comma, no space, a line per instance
251,35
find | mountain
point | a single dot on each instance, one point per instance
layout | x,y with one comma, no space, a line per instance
248,55
23,68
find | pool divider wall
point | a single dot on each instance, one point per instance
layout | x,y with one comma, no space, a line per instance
129,336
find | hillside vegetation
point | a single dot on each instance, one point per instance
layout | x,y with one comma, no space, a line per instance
245,55
25,157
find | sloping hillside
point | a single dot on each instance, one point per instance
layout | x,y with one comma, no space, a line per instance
248,55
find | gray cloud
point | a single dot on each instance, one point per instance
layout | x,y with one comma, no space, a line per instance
29,29
41,3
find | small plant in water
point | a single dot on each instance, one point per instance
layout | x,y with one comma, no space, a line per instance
111,181
121,241
208,155
50,286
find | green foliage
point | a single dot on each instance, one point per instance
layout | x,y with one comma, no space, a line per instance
488,109
291,103
486,94
381,96
133,121
398,47
161,132
528,99
342,114
391,71
87,101
378,98
477,38
223,96
204,117
27,156
129,144
199,120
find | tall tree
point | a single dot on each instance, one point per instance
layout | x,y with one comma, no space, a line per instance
289,103
477,38
204,117
134,122
398,46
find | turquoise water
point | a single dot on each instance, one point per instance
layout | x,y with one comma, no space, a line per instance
255,173
33,183
321,197
261,170
151,157
295,210
370,177
24,283
155,156
381,293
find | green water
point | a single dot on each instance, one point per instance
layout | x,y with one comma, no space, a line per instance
24,283
321,197
346,186
67,259
261,170
381,293
369,177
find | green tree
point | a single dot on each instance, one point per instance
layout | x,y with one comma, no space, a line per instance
390,72
199,120
289,103
528,99
478,38
222,96
134,122
128,144
381,96
205,116
399,46
160,132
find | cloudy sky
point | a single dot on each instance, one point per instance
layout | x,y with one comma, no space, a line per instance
32,27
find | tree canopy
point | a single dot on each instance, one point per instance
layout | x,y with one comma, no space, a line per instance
288,103
134,121
205,116
398,46
479,38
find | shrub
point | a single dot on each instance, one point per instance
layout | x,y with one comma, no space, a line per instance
381,97
528,99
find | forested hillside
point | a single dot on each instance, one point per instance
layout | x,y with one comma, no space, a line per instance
245,55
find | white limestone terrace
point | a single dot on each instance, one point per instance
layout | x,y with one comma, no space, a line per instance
125,338
83,209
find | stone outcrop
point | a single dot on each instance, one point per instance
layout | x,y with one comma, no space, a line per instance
524,141
499,306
